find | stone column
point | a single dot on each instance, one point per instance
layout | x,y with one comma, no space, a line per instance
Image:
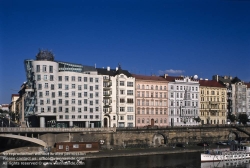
71,124
42,122
87,124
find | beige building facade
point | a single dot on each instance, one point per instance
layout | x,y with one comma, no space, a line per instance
151,101
213,102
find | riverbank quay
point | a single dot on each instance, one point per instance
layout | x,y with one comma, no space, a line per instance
149,151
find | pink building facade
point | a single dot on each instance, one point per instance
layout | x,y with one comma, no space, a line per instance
151,101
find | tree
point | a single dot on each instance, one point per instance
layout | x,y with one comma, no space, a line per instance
231,117
243,119
197,119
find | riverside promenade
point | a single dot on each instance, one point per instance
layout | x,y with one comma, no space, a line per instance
149,151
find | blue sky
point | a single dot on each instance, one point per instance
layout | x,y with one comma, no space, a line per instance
178,37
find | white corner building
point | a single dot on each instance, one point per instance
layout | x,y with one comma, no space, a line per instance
61,94
118,97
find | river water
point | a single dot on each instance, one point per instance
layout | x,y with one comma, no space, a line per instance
182,160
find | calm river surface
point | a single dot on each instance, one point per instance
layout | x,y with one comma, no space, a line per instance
183,160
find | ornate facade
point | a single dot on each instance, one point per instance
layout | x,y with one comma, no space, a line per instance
213,102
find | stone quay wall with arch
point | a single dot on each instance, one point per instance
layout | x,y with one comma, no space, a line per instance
151,137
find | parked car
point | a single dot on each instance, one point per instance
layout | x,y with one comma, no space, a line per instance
181,145
203,144
222,143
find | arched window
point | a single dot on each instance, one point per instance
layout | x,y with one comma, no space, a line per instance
152,87
138,120
138,86
142,86
156,87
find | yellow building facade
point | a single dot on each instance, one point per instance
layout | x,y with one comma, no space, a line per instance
213,102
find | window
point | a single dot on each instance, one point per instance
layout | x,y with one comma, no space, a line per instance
73,116
96,80
122,100
79,116
122,92
171,87
79,87
90,79
53,94
59,86
37,68
130,84
40,94
88,145
91,88
73,101
60,147
47,93
79,79
66,94
66,78
122,109
60,116
90,95
39,86
129,92
44,68
121,83
79,110
130,117
73,78
51,77
73,93
51,69
85,79
130,109
45,77
66,87
79,95
38,77
59,78
96,109
130,100
75,146
96,87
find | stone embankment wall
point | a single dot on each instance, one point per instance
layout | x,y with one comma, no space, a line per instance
149,137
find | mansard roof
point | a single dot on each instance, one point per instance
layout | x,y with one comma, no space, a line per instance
113,72
173,78
211,83
144,77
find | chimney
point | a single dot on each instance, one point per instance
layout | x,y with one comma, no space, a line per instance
165,75
108,68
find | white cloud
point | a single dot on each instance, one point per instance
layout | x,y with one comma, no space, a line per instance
171,71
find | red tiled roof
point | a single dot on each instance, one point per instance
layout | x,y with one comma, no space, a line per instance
211,83
14,95
173,78
248,85
144,77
